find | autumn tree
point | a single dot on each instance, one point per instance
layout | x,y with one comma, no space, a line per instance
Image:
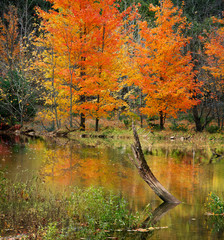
67,29
110,59
198,14
53,95
9,39
16,86
88,39
166,69
214,49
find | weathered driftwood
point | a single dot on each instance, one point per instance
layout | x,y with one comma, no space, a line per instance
147,174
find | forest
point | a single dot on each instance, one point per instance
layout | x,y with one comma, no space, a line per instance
65,62
79,81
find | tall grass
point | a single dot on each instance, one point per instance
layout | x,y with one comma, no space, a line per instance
31,206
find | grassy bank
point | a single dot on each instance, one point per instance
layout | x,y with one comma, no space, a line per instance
115,129
32,208
119,137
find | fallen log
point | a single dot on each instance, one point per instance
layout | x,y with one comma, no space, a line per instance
145,172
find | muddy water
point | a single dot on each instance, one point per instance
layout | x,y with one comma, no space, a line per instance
184,169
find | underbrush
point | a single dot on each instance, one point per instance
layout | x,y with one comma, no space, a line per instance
214,204
32,207
215,211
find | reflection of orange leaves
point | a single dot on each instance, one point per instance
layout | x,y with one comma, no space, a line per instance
70,165
38,145
66,167
182,176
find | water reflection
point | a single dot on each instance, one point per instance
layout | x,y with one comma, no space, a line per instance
185,171
182,171
18,153
159,212
216,224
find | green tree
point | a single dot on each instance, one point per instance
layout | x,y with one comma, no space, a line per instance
18,90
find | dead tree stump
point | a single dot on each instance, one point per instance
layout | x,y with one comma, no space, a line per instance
146,173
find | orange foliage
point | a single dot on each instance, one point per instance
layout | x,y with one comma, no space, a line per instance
87,36
167,76
9,44
215,52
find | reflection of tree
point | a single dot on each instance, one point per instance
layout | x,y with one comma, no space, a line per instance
85,167
71,163
11,143
20,152
158,213
189,154
4,145
151,221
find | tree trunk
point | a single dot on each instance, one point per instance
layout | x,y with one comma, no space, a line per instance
97,118
97,124
162,119
197,119
141,116
82,116
82,122
147,174
83,76
70,112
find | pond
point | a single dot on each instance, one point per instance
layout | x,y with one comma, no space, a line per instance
184,168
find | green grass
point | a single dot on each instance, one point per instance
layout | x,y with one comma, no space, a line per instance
32,207
215,211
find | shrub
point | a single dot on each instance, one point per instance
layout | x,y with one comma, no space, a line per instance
51,231
150,119
214,204
215,209
213,129
178,127
18,98
99,210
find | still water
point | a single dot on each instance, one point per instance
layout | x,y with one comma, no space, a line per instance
182,167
